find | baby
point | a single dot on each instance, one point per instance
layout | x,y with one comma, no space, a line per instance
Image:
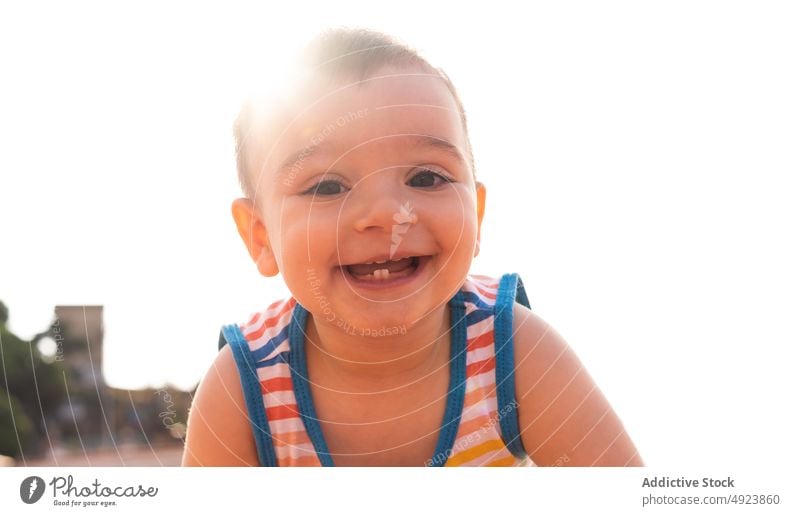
361,192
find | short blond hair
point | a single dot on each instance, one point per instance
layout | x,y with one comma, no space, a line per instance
342,54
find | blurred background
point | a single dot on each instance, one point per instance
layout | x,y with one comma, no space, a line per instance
641,161
57,409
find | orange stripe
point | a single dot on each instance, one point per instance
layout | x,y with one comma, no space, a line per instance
303,460
269,323
475,452
481,341
276,384
291,439
477,396
473,425
282,412
482,366
505,461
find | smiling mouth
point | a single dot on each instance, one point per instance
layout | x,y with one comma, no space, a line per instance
385,270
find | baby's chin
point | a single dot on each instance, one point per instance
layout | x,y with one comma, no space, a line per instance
422,317
381,321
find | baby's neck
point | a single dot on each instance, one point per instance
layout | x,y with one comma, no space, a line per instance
354,361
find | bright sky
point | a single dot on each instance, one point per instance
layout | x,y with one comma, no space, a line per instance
641,163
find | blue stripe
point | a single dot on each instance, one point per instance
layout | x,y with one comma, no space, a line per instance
252,394
280,358
472,297
299,369
271,344
458,382
504,368
478,316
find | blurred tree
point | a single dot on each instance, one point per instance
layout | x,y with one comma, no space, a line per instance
33,386
16,431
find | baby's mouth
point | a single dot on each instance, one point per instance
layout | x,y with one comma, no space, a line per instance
384,270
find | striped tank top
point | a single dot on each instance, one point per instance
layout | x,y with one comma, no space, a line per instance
480,425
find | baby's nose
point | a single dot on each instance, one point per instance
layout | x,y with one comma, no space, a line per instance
383,210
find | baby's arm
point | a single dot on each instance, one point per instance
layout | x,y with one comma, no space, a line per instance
219,431
564,419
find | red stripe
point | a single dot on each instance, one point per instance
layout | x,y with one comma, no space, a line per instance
258,332
282,412
255,317
276,384
479,367
481,341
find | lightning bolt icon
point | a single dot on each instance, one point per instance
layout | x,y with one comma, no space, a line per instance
32,488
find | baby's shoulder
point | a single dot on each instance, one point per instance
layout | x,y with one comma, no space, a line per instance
563,415
218,426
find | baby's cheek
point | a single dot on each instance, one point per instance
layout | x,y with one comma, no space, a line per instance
456,221
306,234
463,236
293,251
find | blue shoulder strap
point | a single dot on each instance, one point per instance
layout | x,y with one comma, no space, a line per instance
510,290
252,393
299,372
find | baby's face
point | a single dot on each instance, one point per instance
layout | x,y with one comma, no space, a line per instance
366,173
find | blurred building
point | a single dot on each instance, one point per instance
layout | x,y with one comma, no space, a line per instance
94,424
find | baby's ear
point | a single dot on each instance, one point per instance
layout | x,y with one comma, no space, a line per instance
254,234
480,200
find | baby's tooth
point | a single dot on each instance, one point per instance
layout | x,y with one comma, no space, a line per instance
380,274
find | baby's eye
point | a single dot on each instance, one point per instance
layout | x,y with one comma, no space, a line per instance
325,188
428,178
